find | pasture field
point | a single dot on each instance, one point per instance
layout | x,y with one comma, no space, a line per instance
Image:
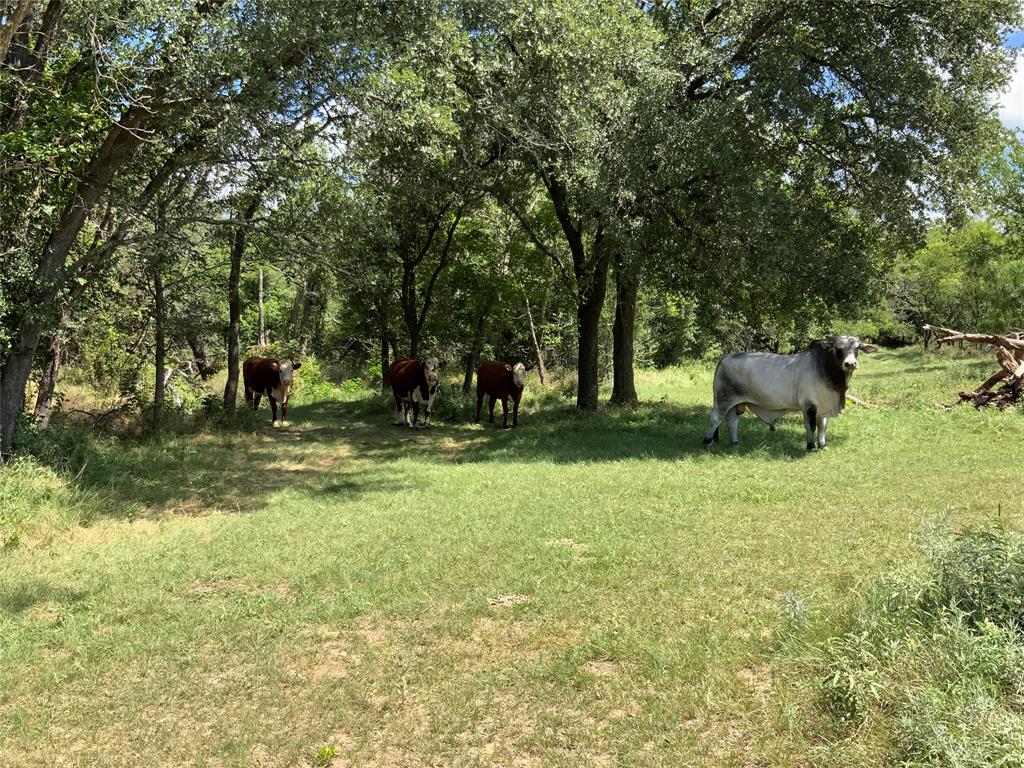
583,591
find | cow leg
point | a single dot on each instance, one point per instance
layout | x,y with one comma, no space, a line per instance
415,414
273,410
256,397
284,412
822,426
479,406
399,412
732,420
515,411
407,411
426,414
711,436
248,397
504,413
810,422
490,408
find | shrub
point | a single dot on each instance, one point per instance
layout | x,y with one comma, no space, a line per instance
352,385
452,405
372,374
64,447
934,659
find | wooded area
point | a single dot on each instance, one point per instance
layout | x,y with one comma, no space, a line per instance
587,185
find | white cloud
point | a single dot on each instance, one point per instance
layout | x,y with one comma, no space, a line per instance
1011,110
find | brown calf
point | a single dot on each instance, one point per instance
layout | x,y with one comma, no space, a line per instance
500,381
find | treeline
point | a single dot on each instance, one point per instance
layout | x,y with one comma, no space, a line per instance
588,184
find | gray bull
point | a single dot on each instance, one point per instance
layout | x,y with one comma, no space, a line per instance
813,382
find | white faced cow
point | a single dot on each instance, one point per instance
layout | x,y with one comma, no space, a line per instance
813,382
271,377
414,383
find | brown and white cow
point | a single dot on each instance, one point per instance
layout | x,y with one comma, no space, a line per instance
500,381
271,377
414,383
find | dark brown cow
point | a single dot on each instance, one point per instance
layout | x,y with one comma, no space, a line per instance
273,378
413,382
500,381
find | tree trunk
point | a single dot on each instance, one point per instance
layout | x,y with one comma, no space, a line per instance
623,334
296,311
307,310
235,303
473,357
51,371
195,343
538,353
118,147
262,326
591,273
385,363
161,349
590,302
17,16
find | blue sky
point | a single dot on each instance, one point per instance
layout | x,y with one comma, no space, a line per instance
1012,110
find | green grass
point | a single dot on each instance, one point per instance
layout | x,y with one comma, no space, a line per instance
585,590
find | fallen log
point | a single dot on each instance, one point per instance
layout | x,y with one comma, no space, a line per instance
1010,356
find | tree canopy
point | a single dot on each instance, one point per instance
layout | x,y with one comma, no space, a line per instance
465,177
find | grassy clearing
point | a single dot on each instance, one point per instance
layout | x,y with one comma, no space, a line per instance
586,590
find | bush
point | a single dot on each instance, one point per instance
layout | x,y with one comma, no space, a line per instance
880,327
453,406
352,385
934,659
63,447
372,375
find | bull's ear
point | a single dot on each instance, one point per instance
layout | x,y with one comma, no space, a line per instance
274,365
296,365
830,342
508,367
868,348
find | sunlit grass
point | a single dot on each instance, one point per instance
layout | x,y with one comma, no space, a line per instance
585,590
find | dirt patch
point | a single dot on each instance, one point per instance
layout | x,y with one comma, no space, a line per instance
730,737
334,662
224,585
44,612
602,667
188,508
509,600
758,680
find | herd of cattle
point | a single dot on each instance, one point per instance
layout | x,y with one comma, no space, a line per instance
812,382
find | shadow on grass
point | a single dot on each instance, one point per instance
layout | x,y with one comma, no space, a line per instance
563,435
348,449
26,595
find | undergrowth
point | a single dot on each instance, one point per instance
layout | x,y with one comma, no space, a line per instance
930,671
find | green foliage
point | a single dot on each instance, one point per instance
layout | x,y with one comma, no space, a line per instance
325,755
935,656
879,326
373,374
967,278
453,406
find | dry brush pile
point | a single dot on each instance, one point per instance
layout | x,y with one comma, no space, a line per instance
1010,354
